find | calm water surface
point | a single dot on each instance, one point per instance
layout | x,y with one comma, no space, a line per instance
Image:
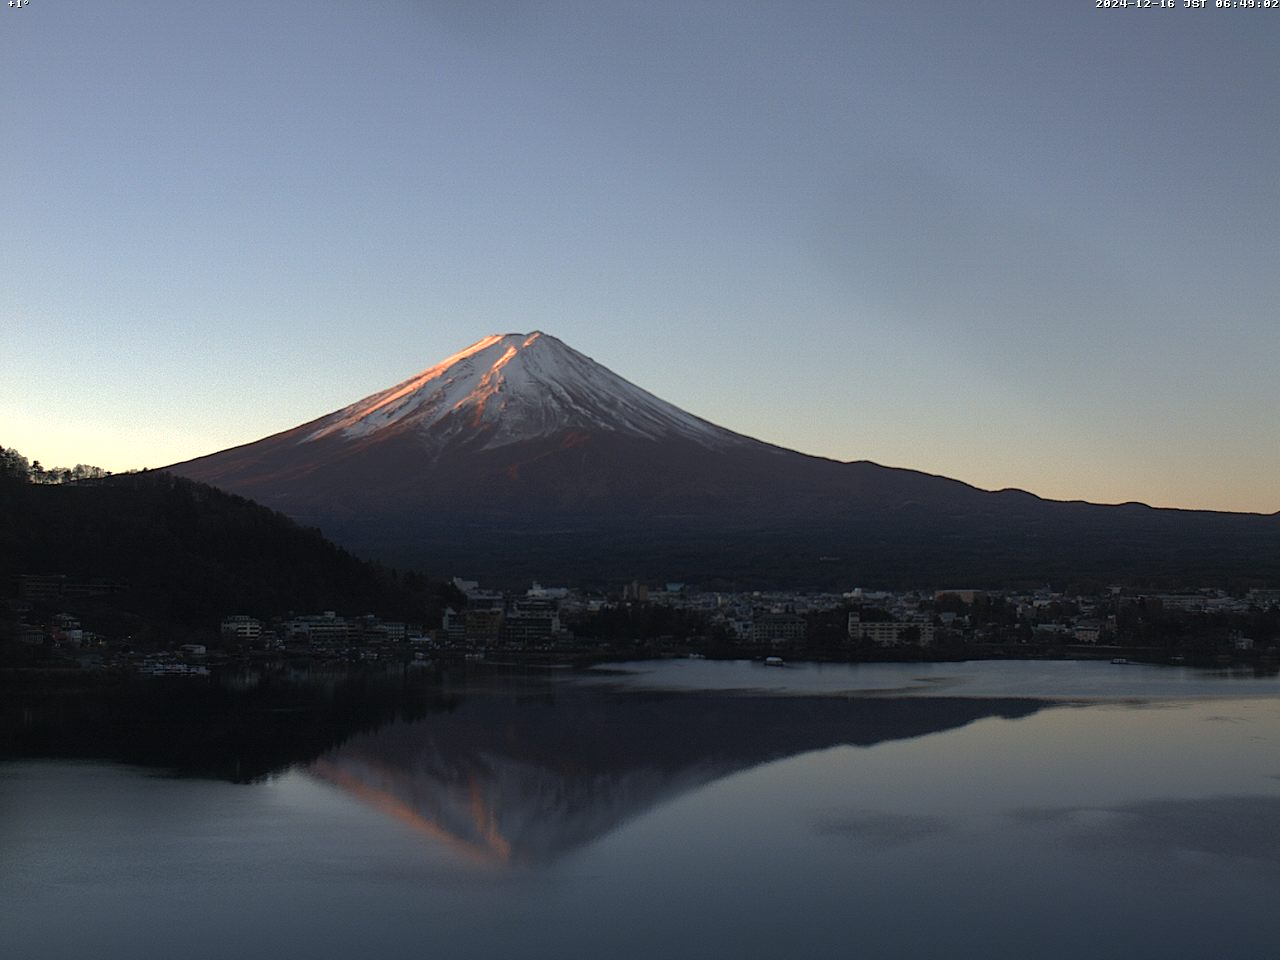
684,809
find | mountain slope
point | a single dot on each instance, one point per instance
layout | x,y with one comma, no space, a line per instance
525,423
520,457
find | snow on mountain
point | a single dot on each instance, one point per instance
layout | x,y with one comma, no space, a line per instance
514,387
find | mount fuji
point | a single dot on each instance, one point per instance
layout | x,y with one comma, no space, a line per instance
506,389
520,457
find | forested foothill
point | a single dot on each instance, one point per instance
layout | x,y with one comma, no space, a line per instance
160,559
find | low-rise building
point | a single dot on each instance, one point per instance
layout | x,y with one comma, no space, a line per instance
327,629
778,628
243,628
531,620
1087,631
891,633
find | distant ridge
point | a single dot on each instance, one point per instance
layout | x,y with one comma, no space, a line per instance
520,457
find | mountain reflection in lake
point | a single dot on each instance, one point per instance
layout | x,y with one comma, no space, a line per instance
525,779
975,810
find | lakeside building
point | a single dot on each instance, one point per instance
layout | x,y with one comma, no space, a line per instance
891,633
492,618
483,626
241,627
374,630
531,620
637,591
329,628
779,628
1087,631
66,630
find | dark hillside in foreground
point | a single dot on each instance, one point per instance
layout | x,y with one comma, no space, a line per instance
165,551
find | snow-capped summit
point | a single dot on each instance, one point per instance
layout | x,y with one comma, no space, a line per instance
512,387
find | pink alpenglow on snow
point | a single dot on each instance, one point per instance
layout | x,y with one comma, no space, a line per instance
520,387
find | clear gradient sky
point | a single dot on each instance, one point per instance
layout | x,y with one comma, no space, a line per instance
1019,244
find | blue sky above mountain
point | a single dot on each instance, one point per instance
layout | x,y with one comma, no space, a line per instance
1022,246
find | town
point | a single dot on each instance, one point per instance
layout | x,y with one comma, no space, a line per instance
40,628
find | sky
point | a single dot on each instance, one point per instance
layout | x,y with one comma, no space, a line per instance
1020,244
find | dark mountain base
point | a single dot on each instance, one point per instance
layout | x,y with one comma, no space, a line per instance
1135,546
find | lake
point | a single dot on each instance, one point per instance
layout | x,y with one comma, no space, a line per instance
674,809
